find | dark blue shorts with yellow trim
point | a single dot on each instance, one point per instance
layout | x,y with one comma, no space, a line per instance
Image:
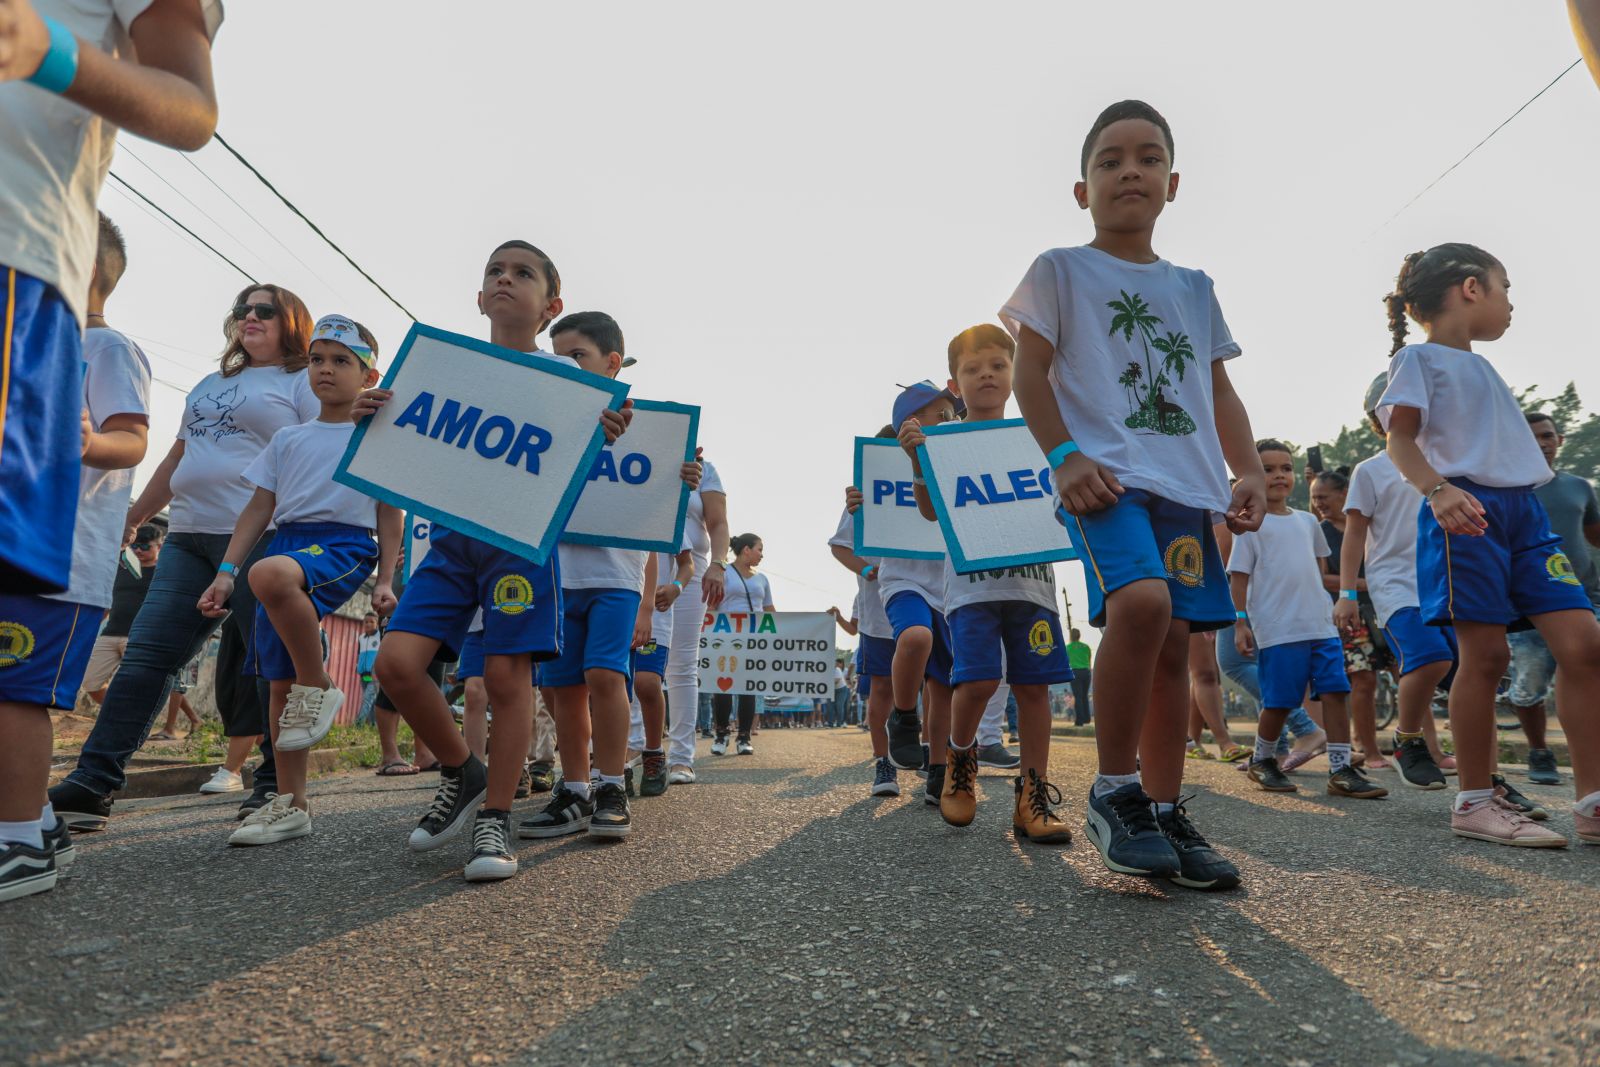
1029,636
1146,536
41,402
1515,570
521,599
44,649
336,559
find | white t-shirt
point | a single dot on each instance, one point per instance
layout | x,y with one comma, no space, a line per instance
840,679
746,594
54,156
1134,344
1034,583
596,567
1390,506
1287,601
116,381
1472,426
870,617
695,533
661,621
925,577
226,423
297,467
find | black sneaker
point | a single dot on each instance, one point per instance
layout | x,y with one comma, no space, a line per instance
1268,776
461,793
653,774
627,780
524,785
253,803
1415,764
1542,767
1507,792
25,870
59,841
567,813
541,777
611,818
80,807
1199,865
491,859
998,755
1122,824
1349,782
935,787
905,741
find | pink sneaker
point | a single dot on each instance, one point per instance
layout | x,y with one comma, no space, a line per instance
1588,826
1497,821
1305,750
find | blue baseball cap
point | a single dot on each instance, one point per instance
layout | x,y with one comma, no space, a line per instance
914,398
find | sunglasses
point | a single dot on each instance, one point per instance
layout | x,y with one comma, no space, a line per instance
141,546
264,312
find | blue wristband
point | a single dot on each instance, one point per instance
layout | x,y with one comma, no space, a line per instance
60,64
1060,453
678,584
1349,594
866,572
230,569
1242,616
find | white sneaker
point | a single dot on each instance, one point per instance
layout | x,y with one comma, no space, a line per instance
719,747
224,781
682,774
744,748
277,820
307,716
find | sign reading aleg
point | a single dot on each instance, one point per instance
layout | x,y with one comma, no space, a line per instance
888,522
635,496
767,653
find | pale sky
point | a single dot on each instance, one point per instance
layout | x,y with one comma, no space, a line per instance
789,210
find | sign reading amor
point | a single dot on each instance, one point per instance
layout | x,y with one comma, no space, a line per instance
767,653
491,442
888,522
635,496
992,491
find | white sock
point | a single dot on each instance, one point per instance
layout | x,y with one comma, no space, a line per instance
1164,809
47,817
580,788
1589,805
1338,757
958,748
611,779
1265,747
1466,798
1110,783
25,833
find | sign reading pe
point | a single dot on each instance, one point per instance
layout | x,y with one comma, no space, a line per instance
992,490
767,653
488,441
888,522
635,496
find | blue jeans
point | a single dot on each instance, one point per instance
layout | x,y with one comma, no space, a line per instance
1011,713
702,720
1243,673
166,634
369,695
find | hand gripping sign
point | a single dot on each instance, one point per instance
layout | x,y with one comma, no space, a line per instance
494,443
888,522
767,653
635,496
992,490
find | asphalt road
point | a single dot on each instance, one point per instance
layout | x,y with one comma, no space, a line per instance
774,913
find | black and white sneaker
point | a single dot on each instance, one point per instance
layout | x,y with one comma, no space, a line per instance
567,813
905,741
998,755
1416,765
1199,865
935,785
1527,807
719,747
80,808
885,779
25,870
524,785
59,841
611,819
258,799
491,848
744,748
461,793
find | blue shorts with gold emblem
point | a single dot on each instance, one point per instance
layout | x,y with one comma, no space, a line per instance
521,600
651,659
336,559
1516,569
1028,634
44,649
1146,536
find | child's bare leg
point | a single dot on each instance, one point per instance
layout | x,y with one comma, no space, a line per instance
608,717
1336,717
652,707
1033,726
280,586
1414,700
939,720
911,651
402,670
574,732
188,710
239,749
967,703
1484,658
172,712
388,736
291,765
475,718
880,701
1207,681
1197,722
1574,640
25,741
1161,738
1123,669
509,681
1364,712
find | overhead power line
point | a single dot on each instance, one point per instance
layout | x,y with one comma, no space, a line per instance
123,182
314,227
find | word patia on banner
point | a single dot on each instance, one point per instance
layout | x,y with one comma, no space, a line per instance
888,522
767,653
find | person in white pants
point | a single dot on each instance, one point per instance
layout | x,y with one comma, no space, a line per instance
992,751
706,532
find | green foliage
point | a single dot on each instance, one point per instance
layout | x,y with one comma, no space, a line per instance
358,745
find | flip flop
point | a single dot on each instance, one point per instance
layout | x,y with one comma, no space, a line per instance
396,769
161,736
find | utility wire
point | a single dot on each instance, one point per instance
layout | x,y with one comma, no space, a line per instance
181,194
123,182
314,227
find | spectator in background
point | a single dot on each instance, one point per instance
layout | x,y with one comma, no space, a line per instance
366,656
127,593
179,702
1079,658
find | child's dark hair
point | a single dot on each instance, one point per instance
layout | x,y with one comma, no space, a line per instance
974,338
1425,278
552,277
597,326
887,431
742,542
367,339
1535,417
1338,478
1118,112
111,256
1272,444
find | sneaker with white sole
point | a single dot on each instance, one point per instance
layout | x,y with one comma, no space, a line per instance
25,870
1498,821
681,774
307,716
885,779
744,748
278,821
492,859
224,781
719,747
567,813
59,841
462,791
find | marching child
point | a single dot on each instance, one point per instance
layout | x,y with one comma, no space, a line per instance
321,554
1120,374
650,669
1487,561
1286,619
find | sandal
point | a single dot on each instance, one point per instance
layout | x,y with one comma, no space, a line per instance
396,769
1236,753
161,736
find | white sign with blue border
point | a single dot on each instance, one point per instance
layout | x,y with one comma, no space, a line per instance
419,538
635,496
888,522
992,490
494,443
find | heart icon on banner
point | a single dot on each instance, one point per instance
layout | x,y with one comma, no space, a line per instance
724,684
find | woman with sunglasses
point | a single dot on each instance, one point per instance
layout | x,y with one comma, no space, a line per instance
228,418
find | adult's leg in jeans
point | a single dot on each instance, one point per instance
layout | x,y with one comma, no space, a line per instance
702,720
1080,697
683,674
1532,667
253,697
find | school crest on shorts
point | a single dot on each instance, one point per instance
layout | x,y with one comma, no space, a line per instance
513,594
647,649
1559,569
1185,561
16,643
1041,639
1147,380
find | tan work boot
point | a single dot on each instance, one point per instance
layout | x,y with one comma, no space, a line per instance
1034,816
959,801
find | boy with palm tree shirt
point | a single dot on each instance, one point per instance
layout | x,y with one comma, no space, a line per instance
1120,376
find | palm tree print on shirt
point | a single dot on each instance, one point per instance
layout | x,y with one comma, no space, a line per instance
1149,407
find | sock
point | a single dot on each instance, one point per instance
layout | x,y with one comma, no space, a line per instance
935,767
1265,748
1466,798
1164,809
25,833
1401,737
47,817
959,748
580,788
1110,783
1589,805
1338,757
654,752
611,779
492,813
912,712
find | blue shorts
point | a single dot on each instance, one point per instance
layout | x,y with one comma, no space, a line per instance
471,665
1146,536
336,560
875,657
596,634
44,649
41,406
651,659
1029,635
1287,671
1416,644
1515,570
907,609
521,600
